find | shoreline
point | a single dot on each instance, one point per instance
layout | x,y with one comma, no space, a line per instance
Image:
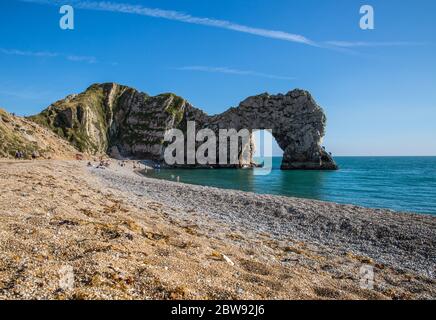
142,173
297,214
400,185
129,236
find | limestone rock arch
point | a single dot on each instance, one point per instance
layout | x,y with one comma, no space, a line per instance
296,121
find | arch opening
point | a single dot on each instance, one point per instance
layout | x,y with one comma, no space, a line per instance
265,146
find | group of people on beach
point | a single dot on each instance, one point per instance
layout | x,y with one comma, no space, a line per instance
135,164
102,163
106,163
20,155
23,155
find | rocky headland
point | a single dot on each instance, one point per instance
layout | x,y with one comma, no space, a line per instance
123,122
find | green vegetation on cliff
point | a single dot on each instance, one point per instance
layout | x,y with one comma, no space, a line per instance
108,115
81,119
11,137
23,135
175,107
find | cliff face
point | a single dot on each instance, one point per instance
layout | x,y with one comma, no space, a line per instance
111,118
20,134
124,122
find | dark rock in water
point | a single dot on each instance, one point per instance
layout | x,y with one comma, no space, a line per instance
115,119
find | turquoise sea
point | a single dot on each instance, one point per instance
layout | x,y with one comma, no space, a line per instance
396,183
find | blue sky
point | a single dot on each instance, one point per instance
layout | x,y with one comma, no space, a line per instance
377,87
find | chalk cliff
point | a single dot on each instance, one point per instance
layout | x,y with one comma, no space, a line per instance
121,121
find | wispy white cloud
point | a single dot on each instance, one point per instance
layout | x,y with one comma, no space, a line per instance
87,59
48,54
227,70
24,92
353,44
341,46
17,52
181,17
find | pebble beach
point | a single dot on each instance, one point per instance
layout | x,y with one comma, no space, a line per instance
126,236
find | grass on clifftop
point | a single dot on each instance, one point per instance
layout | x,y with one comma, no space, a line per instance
175,108
84,119
16,135
70,118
